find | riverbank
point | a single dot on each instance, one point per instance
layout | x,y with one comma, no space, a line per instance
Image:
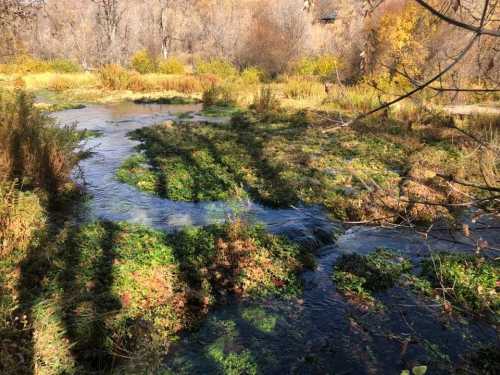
111,296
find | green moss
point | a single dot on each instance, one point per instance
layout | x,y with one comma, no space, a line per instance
220,111
362,275
468,281
58,107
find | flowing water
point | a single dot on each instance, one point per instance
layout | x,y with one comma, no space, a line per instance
317,333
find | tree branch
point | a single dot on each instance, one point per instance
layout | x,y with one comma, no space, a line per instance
463,25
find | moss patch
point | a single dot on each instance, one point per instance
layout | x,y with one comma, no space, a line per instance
136,172
359,276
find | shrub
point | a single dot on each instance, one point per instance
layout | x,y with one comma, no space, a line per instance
64,66
142,62
265,101
114,77
323,66
32,149
60,83
219,96
219,67
171,65
252,76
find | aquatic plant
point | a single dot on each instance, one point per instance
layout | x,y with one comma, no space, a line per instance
135,171
467,281
361,275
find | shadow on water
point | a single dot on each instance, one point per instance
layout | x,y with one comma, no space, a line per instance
318,333
321,332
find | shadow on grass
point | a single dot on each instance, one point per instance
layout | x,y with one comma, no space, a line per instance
90,300
51,290
220,173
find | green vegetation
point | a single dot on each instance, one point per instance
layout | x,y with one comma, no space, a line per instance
218,67
134,171
281,157
230,362
359,276
468,282
261,320
24,64
58,107
171,65
219,96
325,66
179,100
142,62
116,291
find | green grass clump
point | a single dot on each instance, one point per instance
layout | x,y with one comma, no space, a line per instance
468,281
136,172
177,100
359,275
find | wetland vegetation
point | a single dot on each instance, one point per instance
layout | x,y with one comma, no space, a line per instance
175,202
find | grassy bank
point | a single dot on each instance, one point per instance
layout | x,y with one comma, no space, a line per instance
113,297
107,297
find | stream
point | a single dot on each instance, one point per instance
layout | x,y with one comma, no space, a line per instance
319,332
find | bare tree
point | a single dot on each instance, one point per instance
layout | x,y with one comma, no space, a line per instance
15,17
109,16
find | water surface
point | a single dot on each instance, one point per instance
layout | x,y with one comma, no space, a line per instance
318,332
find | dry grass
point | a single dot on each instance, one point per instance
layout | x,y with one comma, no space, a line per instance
21,214
59,81
32,150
